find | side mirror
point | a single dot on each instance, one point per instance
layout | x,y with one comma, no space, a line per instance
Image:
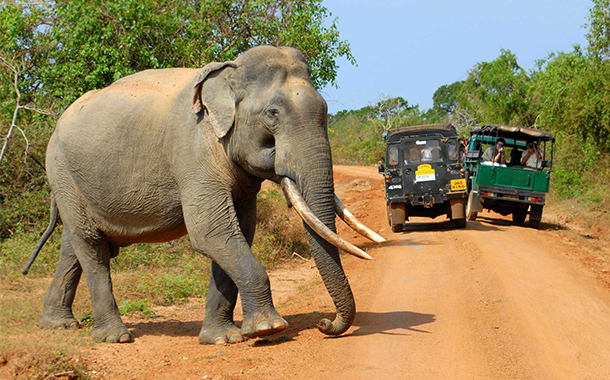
381,168
547,164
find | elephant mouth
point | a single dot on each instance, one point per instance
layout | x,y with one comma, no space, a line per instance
296,200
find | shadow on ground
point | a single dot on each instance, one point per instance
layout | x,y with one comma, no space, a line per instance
384,323
490,222
366,323
443,226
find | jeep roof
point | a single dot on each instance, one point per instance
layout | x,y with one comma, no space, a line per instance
510,131
446,130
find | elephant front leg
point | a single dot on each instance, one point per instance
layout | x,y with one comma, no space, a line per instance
57,310
221,237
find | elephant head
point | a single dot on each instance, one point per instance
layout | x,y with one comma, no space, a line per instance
272,124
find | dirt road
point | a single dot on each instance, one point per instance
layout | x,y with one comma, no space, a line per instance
490,301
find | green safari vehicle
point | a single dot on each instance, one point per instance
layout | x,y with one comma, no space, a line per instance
423,175
508,171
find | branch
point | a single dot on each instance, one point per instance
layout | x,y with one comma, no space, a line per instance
17,106
39,110
27,143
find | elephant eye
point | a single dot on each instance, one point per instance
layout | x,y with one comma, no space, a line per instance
270,116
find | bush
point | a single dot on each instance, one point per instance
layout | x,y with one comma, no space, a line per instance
279,231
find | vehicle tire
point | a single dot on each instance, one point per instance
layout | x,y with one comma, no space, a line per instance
535,216
470,215
460,223
389,214
397,228
519,217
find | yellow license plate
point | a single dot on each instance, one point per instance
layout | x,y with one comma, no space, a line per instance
458,184
511,196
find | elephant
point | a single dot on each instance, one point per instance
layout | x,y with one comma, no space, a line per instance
166,152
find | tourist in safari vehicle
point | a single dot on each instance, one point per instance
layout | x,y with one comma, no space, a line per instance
509,171
424,175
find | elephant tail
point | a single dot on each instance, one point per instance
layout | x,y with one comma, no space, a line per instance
45,236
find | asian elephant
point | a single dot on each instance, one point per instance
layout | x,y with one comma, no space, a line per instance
166,152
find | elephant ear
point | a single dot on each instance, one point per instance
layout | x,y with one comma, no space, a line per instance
214,94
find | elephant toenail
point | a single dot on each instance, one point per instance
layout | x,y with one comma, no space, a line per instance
236,338
73,326
220,340
111,339
125,338
263,326
277,324
246,330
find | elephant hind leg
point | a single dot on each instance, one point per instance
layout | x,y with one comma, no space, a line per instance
57,310
94,257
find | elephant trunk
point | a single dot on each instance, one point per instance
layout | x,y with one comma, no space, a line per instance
316,185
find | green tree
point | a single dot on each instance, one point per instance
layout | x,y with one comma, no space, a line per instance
98,42
599,29
498,92
445,98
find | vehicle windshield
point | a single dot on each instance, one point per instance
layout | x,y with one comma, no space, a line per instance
423,150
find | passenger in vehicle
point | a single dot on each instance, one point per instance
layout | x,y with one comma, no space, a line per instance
436,153
531,157
495,153
463,149
426,154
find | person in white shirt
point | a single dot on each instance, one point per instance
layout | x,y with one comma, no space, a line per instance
531,157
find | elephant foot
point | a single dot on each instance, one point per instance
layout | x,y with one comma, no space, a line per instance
57,319
228,333
262,323
112,334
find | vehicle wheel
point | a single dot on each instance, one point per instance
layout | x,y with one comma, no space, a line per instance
389,214
535,216
397,228
519,217
470,214
460,223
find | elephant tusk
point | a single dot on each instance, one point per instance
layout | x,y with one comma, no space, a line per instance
299,204
356,225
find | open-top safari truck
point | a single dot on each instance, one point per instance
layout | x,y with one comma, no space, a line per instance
513,185
423,175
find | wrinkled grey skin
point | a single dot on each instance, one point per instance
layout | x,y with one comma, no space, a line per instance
162,153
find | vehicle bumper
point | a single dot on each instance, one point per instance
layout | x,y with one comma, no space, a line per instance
427,199
511,195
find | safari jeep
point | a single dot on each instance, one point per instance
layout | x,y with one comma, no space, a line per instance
509,188
423,176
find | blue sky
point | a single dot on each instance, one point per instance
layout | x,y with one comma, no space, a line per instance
410,48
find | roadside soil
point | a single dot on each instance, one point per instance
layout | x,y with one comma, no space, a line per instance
493,300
